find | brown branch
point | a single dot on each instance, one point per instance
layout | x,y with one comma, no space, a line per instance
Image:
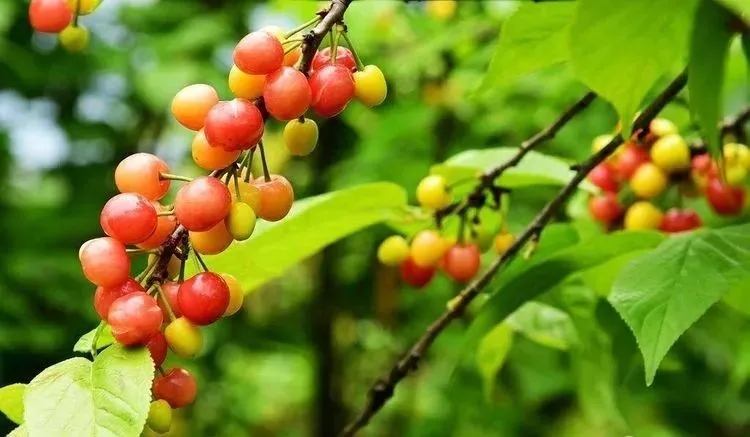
733,124
384,388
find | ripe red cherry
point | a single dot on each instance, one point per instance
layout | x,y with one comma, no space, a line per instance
344,57
462,262
104,296
415,275
141,173
157,347
680,220
287,94
604,177
605,208
165,225
202,203
332,89
203,298
128,217
104,261
724,200
628,161
177,386
50,16
234,125
134,319
170,290
259,53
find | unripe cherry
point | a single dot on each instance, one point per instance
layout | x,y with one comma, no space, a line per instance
301,137
642,215
134,318
202,203
74,38
129,218
276,198
416,275
234,125
332,89
432,192
648,181
141,173
236,295
184,338
245,86
287,94
462,262
204,298
104,261
169,291
248,193
84,7
213,241
370,86
241,221
258,53
157,347
502,242
50,16
344,57
159,416
177,386
165,225
211,158
191,105
427,248
393,251
104,296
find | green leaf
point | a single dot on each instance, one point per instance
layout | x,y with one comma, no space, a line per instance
491,355
601,277
534,37
535,169
543,324
664,292
84,344
107,398
19,432
739,7
738,299
621,51
11,402
313,224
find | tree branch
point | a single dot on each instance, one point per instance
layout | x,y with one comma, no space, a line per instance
384,388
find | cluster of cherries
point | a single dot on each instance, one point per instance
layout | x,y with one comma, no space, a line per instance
643,183
61,17
459,257
160,308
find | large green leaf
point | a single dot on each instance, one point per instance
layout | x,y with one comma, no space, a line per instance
661,294
491,354
709,48
313,224
535,169
601,277
11,402
534,37
107,398
85,343
620,50
543,324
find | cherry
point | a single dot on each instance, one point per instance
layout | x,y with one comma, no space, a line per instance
642,215
184,338
165,225
203,298
234,125
604,177
671,153
370,86
462,262
49,16
416,275
293,55
605,208
628,161
275,198
236,295
676,220
134,318
177,386
648,181
159,416
128,217
344,57
432,192
287,94
104,296
301,136
74,38
482,236
202,203
259,53
157,347
736,154
191,105
104,261
169,291
245,86
84,7
724,199
427,248
211,158
241,221
393,251
503,242
332,89
660,127
213,241
141,173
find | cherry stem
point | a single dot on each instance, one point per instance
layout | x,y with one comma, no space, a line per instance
165,213
292,47
94,340
247,164
139,251
174,177
163,297
334,45
461,229
146,274
76,13
357,60
302,27
237,186
266,173
200,261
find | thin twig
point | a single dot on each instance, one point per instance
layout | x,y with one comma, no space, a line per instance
384,388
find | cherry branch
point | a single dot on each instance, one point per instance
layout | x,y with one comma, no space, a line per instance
384,388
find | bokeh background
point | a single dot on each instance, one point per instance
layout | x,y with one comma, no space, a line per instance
297,362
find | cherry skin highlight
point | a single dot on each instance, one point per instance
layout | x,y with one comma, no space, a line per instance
332,89
234,125
259,53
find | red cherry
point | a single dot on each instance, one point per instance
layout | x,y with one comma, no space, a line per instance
416,275
104,261
50,16
170,290
128,217
287,94
605,208
332,89
259,53
157,347
134,319
603,176
344,57
234,125
724,200
204,298
202,203
104,296
628,161
462,262
177,386
680,220
703,165
141,173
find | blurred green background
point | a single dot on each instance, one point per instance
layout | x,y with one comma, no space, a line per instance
299,359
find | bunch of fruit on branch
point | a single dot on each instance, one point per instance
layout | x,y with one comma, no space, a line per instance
645,183
160,308
61,17
458,255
